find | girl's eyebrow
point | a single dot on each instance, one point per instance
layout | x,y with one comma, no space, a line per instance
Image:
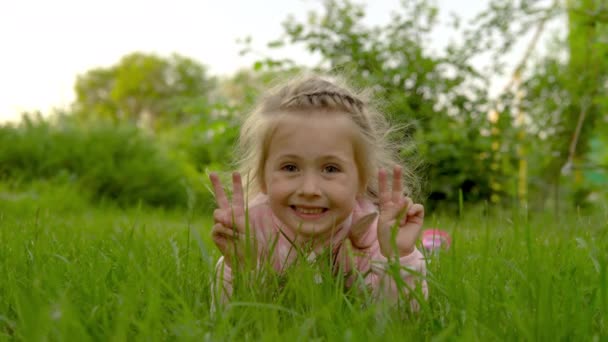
333,157
322,158
288,156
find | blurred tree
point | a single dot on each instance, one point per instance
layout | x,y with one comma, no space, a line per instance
207,139
561,95
566,98
144,89
440,99
444,97
496,31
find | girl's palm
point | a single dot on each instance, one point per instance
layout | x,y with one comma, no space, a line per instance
400,219
229,219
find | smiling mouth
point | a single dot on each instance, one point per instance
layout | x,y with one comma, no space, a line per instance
308,211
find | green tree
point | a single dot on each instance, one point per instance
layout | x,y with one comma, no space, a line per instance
143,87
441,99
443,96
565,97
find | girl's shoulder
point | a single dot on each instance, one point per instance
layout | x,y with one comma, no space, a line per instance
364,211
259,210
364,206
258,200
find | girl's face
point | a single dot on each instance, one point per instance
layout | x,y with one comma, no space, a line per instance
310,174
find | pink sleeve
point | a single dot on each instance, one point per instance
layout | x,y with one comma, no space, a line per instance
221,284
374,265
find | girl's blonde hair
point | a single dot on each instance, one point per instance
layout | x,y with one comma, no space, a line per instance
313,93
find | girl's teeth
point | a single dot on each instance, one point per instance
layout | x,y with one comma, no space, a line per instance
309,211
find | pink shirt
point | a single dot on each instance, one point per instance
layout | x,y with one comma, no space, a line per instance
366,257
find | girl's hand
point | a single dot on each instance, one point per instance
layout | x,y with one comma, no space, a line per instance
399,217
229,229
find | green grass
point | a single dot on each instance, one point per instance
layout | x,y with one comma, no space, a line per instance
71,271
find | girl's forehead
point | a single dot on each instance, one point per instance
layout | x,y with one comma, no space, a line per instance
314,135
315,125
325,118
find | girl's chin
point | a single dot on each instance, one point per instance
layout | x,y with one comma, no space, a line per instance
310,225
312,230
317,228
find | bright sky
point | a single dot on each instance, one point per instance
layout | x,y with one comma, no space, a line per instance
45,44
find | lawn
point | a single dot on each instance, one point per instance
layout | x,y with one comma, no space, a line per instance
71,270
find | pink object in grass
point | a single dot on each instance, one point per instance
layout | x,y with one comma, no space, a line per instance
434,239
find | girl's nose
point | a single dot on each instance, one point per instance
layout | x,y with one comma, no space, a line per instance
309,186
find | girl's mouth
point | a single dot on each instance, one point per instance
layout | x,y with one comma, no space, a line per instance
308,212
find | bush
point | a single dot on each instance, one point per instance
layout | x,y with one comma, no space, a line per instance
112,162
205,142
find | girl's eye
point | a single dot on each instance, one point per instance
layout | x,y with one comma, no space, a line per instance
331,169
289,168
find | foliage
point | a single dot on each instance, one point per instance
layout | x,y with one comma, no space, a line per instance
143,87
460,159
441,99
111,162
444,97
205,141
564,101
517,146
496,31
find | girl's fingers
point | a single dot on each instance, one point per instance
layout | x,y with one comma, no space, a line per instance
218,190
414,208
404,204
414,214
384,195
219,230
223,216
394,195
231,211
417,210
238,199
397,188
407,204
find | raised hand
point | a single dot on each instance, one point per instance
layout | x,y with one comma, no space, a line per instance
399,213
229,227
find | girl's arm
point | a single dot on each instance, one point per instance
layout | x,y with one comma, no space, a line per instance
388,279
246,248
221,284
385,249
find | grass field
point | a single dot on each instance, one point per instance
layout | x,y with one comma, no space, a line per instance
73,271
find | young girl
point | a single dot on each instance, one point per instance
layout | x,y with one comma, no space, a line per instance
320,175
